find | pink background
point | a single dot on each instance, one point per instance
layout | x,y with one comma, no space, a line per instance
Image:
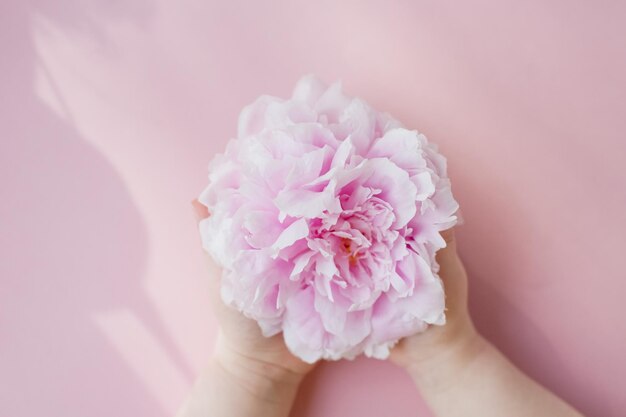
110,112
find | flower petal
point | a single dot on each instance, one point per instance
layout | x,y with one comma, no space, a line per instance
296,231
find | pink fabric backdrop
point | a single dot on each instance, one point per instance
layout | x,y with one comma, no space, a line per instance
110,111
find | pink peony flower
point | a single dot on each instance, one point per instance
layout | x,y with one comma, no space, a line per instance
326,217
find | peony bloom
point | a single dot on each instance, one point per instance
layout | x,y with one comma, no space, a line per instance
326,217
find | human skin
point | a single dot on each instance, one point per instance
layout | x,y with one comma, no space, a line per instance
456,370
247,374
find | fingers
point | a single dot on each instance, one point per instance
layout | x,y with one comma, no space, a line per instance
200,211
453,275
450,238
448,254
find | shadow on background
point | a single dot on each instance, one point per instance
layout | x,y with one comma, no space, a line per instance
487,251
73,243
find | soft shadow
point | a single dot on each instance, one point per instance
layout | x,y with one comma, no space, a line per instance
73,243
497,268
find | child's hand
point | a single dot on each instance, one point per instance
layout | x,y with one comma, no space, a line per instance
461,374
457,371
457,340
241,348
249,374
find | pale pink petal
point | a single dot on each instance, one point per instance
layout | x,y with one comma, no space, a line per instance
424,184
252,117
332,313
427,301
307,204
263,228
343,153
359,119
396,189
300,263
308,167
294,232
302,328
403,147
332,103
309,89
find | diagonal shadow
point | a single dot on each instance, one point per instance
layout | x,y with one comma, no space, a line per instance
73,244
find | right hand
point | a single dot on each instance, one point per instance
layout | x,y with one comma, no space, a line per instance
457,340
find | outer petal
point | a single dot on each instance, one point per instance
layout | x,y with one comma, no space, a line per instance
307,204
296,231
302,327
332,103
388,325
220,238
401,146
309,89
269,112
427,302
360,120
396,189
252,117
263,228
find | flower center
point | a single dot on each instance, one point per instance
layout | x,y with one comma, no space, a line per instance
353,256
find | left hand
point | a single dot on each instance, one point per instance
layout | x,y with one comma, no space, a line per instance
241,348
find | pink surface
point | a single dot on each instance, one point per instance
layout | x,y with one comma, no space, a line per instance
110,111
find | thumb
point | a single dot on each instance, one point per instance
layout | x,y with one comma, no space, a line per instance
200,211
453,275
448,254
